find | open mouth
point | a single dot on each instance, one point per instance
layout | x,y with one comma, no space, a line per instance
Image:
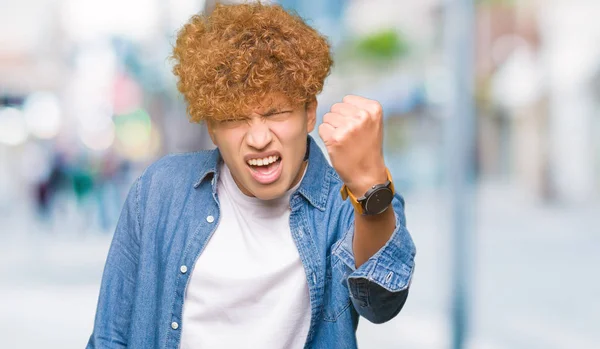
265,170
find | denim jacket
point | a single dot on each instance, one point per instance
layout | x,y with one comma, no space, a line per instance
171,212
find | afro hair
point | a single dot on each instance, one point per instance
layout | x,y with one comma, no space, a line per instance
228,62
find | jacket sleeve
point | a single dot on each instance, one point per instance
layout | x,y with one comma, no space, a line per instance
113,313
379,287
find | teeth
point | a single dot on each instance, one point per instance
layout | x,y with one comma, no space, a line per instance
263,161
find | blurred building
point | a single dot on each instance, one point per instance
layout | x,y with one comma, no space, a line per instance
538,101
88,100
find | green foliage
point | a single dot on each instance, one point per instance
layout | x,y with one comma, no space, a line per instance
388,44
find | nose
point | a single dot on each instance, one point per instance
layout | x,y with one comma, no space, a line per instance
259,135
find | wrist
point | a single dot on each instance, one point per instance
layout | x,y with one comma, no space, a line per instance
365,181
371,196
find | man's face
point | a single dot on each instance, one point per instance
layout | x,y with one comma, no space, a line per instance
265,151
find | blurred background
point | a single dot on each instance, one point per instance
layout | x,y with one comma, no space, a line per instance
88,101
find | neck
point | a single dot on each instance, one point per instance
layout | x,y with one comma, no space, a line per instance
300,174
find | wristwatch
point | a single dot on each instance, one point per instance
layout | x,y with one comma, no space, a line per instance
375,201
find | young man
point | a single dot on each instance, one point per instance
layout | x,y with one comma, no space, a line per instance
259,243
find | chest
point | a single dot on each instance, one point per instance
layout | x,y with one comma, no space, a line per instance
249,248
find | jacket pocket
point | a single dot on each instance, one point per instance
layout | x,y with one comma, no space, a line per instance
337,295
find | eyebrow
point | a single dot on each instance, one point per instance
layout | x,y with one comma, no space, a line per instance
275,110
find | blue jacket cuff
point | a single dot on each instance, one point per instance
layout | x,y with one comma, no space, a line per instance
391,267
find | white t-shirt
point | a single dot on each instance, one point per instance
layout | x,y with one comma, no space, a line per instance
248,288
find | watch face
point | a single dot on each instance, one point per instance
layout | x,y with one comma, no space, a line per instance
379,201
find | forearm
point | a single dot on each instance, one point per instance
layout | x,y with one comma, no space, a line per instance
371,231
371,234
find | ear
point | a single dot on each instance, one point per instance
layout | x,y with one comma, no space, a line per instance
211,131
311,115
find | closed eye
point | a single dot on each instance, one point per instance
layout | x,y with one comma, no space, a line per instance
277,113
232,122
233,119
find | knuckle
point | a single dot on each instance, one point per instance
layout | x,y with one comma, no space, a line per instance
362,114
338,137
377,108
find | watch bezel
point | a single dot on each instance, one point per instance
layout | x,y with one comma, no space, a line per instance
369,195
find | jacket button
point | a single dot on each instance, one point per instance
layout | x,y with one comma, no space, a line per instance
174,325
183,269
210,219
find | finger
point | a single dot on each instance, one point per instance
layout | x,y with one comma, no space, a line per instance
326,132
345,109
351,110
357,101
372,107
334,119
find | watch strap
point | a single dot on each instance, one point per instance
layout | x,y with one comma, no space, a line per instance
346,193
356,202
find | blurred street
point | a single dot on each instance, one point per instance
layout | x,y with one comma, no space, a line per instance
88,100
535,276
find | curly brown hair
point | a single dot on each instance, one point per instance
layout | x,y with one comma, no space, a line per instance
229,61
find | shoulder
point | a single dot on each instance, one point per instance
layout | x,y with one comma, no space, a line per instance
176,170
